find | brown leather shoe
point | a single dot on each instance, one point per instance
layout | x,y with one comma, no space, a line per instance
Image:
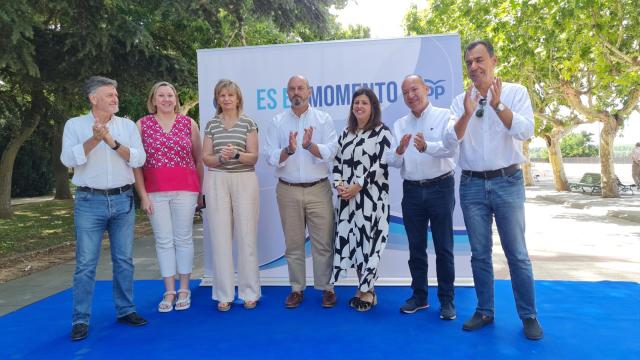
328,299
293,300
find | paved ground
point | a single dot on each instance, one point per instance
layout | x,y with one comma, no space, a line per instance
570,236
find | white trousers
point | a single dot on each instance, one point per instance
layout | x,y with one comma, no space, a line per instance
232,212
172,224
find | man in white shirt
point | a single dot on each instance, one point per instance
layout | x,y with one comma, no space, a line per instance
102,148
428,193
635,165
493,120
301,144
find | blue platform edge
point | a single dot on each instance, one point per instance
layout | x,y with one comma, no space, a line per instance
581,320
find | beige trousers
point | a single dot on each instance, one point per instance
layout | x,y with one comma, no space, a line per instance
310,208
232,211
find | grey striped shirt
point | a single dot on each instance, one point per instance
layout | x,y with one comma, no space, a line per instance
236,136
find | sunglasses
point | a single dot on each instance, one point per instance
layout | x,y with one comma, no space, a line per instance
480,112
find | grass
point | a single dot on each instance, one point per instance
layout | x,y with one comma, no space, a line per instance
45,224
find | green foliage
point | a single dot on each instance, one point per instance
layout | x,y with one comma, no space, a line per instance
49,48
578,145
623,151
581,55
34,175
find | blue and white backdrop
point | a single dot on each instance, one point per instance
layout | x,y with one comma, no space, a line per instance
335,70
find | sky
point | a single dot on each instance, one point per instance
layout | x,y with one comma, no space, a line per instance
385,19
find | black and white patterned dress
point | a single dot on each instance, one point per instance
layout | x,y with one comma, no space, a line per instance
362,222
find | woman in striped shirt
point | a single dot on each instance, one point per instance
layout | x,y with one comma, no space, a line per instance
230,151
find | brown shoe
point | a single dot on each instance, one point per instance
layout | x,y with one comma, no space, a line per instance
328,299
293,300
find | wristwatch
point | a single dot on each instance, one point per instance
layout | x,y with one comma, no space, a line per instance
116,146
288,151
500,107
237,155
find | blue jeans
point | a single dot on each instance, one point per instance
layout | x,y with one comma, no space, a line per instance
501,198
93,214
422,205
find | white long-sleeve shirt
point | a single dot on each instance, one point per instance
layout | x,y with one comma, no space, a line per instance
302,166
487,144
438,158
102,168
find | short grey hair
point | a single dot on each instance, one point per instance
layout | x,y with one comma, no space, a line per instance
94,82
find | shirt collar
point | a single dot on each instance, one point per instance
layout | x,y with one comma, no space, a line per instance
93,119
303,115
424,112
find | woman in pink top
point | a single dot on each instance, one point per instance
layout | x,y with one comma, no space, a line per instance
169,188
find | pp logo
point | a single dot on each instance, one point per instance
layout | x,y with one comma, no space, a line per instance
436,89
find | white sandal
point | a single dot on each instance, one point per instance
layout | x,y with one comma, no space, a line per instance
166,306
183,304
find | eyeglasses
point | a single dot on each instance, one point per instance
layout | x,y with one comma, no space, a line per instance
480,112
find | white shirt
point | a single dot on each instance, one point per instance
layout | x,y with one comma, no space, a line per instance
437,159
487,144
102,168
302,166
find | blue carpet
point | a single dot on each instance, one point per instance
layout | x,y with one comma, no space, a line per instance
581,320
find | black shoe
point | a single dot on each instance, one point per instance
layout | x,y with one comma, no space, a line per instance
412,305
532,329
447,311
79,331
132,319
477,321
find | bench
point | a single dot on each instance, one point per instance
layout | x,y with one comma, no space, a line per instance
622,187
588,181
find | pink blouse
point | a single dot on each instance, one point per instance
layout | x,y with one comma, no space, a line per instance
170,165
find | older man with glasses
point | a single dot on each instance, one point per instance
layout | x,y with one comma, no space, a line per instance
493,120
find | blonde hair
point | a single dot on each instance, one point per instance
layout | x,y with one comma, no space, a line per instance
226,84
152,94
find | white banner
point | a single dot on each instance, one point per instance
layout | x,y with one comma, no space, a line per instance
335,70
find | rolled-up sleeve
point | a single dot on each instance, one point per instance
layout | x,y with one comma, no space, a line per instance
137,156
457,109
272,146
329,146
72,154
522,123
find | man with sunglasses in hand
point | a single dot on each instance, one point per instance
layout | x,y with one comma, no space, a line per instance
493,118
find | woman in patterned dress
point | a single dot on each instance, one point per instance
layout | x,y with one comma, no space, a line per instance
169,188
361,178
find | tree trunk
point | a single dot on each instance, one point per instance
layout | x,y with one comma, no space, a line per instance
30,121
555,159
607,170
60,172
6,168
526,167
186,107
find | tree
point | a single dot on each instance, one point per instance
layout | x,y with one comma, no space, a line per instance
578,57
578,145
52,47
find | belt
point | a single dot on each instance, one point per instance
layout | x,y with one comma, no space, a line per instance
506,171
303,185
429,182
114,191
